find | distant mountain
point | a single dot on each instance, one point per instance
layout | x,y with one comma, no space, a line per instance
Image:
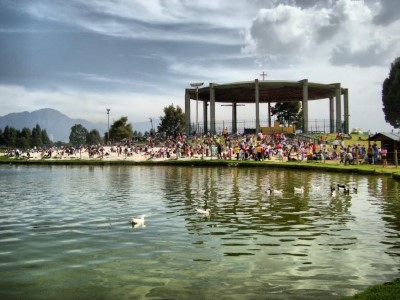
58,125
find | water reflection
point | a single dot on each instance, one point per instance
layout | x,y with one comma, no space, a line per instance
75,222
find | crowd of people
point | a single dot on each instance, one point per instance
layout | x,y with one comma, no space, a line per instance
257,147
276,146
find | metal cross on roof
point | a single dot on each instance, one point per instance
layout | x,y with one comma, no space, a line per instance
263,75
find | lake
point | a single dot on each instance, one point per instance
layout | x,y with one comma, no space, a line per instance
65,233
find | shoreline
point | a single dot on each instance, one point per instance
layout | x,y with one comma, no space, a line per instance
144,160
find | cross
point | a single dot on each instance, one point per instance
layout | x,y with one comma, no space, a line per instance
263,75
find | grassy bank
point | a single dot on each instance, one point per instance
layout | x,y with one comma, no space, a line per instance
328,166
386,291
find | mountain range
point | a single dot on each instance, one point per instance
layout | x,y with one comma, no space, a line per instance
57,124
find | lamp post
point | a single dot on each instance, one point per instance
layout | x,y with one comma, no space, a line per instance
197,85
151,121
108,124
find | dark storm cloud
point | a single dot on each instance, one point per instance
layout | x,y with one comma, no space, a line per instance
326,32
304,3
369,57
311,3
46,53
389,12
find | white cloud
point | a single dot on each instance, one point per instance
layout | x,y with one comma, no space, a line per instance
346,29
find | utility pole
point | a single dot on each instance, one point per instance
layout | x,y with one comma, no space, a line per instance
151,121
108,124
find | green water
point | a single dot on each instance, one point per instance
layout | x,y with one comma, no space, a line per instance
65,233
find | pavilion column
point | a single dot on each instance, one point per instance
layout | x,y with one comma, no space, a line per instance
187,111
331,115
257,96
305,105
234,117
338,108
205,117
269,114
346,110
212,108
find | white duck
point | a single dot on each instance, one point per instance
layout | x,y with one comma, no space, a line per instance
205,212
277,192
138,222
299,190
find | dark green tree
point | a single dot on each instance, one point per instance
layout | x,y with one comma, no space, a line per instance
287,112
173,121
10,136
120,130
36,137
78,135
391,95
135,135
93,137
45,138
24,138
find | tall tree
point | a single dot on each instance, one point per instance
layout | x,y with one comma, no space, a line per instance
121,129
287,112
45,138
36,137
391,95
93,137
10,136
173,121
24,138
78,135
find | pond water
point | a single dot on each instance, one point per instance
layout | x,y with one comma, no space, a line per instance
65,233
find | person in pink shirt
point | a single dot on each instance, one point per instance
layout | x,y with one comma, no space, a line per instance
383,156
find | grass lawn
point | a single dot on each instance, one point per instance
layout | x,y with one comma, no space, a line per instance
386,291
361,139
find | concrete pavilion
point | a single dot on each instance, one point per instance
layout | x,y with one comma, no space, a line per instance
269,91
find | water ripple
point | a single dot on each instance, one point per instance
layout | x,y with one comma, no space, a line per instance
70,225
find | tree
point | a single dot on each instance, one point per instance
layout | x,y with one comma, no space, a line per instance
36,137
173,121
93,137
45,138
24,138
287,112
391,95
10,136
121,129
78,135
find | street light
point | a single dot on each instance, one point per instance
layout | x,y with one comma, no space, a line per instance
151,121
108,123
197,85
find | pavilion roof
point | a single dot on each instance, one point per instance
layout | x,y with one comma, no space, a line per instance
269,91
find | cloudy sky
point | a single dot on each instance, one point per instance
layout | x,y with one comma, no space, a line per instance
136,57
